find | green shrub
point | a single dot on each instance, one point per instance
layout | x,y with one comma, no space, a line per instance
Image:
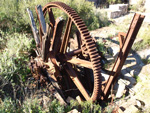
14,57
113,1
32,106
9,106
144,34
139,6
89,107
17,18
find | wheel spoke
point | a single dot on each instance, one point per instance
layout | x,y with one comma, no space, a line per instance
66,36
57,35
80,62
78,39
74,52
51,17
76,80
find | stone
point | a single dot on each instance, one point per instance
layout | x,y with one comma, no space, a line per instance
74,111
128,77
131,109
116,10
121,90
133,2
69,99
45,101
79,99
122,7
113,13
144,54
147,3
60,99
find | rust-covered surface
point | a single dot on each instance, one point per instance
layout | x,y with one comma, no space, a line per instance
73,65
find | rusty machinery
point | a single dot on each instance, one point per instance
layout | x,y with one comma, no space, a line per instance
67,56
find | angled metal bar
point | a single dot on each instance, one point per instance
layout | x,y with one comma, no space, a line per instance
66,36
128,42
51,17
121,36
34,28
56,42
76,80
80,62
41,18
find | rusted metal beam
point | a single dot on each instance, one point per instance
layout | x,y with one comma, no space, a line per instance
80,62
34,28
128,42
51,17
76,80
56,41
74,52
41,18
66,36
121,37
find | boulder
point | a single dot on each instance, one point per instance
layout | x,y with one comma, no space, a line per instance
117,10
131,109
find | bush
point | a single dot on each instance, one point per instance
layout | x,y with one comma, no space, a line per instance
139,6
114,1
14,56
17,18
144,34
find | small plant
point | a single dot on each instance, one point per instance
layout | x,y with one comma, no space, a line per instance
17,18
32,106
90,107
114,1
144,34
14,56
146,61
9,106
139,6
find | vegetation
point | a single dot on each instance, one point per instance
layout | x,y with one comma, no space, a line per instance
32,105
17,18
16,45
144,34
114,1
139,6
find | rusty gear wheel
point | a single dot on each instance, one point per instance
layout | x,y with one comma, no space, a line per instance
62,59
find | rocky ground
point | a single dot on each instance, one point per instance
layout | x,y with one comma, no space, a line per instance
133,88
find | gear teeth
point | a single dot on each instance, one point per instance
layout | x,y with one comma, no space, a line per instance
88,42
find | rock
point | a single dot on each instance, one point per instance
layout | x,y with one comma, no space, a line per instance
147,2
69,99
128,77
133,2
146,69
60,99
121,89
113,13
131,109
144,54
116,10
120,110
45,101
122,7
138,103
78,98
74,111
114,49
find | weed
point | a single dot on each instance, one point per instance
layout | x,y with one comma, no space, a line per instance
14,56
17,18
139,6
146,61
144,34
113,1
